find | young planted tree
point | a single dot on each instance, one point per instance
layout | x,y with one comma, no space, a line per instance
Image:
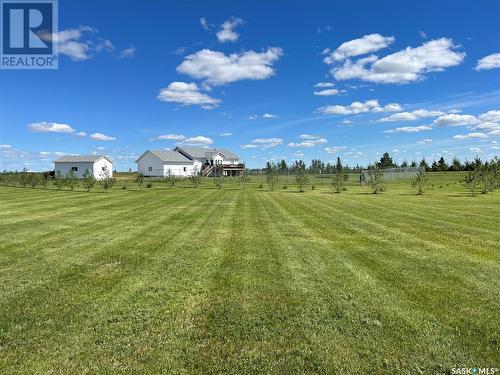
24,178
219,176
107,181
195,177
88,180
244,178
44,180
170,178
301,179
59,180
339,179
420,182
472,181
71,180
34,179
376,180
139,180
271,175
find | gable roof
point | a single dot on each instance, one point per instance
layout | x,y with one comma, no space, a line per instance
205,152
81,158
168,156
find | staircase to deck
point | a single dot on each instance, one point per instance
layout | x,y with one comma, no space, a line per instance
207,171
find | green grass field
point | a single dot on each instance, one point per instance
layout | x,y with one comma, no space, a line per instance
239,281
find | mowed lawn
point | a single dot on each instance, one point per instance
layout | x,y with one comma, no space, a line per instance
239,281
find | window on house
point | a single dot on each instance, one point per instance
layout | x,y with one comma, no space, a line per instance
150,169
74,169
184,169
103,169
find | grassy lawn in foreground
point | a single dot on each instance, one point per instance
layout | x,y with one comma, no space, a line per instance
205,280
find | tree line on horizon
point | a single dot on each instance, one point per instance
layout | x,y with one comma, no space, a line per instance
318,166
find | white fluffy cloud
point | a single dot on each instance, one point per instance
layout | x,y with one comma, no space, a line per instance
488,62
411,116
264,143
408,65
454,119
409,129
269,115
171,137
216,68
50,127
424,141
324,84
490,116
308,141
187,94
197,141
75,44
359,107
361,46
471,135
101,137
204,23
226,32
226,134
327,92
335,149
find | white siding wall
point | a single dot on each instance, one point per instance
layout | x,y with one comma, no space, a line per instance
181,170
65,167
95,168
152,161
98,168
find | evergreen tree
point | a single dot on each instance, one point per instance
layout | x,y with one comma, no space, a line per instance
386,161
455,165
443,166
423,164
282,166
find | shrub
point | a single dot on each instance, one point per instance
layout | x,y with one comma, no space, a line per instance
88,180
149,185
124,187
376,180
420,182
261,186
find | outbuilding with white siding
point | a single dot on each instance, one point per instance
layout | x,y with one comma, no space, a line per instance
99,165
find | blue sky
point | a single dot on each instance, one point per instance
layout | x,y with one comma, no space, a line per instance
268,80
